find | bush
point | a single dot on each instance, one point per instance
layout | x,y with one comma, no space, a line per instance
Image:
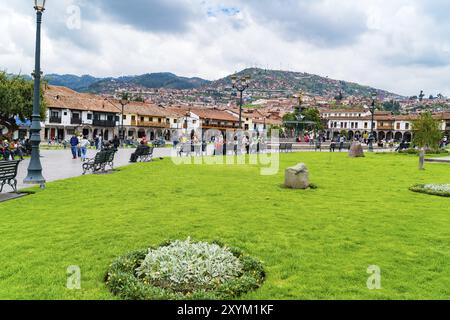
442,190
180,270
417,151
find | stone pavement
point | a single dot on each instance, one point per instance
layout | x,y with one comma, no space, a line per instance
58,164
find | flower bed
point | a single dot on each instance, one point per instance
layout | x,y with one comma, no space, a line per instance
179,270
442,190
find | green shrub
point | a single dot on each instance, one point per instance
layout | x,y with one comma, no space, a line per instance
416,151
186,270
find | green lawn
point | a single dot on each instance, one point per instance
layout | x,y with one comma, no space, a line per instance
315,244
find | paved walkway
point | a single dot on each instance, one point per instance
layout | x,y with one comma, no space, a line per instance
58,164
440,160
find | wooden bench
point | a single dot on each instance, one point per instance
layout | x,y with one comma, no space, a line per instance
8,173
144,154
102,159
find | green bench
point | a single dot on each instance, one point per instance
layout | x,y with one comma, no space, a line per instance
8,174
100,162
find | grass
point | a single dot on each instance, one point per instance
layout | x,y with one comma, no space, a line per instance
315,244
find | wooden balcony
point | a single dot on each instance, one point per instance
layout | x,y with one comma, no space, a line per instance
104,123
386,127
54,119
150,124
234,126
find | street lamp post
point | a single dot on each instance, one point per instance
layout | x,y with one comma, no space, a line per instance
372,133
34,175
240,84
123,102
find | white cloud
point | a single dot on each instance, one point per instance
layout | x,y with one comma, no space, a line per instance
397,45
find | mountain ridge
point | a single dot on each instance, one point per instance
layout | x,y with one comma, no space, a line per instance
261,80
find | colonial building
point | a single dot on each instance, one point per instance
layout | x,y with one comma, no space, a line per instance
143,119
70,112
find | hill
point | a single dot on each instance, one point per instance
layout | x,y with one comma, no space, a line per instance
91,84
292,82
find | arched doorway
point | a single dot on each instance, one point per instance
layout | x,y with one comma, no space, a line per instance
350,135
389,136
407,137
141,133
381,135
398,136
86,133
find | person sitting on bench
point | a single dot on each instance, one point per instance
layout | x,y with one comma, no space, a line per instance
134,156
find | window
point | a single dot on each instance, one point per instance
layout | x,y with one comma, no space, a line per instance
65,113
398,126
366,125
133,118
142,119
175,121
89,116
124,117
407,126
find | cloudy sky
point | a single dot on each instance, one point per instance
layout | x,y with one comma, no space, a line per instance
399,45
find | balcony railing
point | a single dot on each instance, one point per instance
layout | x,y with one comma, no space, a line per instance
55,119
104,123
150,124
75,121
385,127
220,126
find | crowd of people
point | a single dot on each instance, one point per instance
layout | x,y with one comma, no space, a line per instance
222,145
14,149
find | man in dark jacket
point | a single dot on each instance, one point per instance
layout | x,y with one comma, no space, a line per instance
139,150
116,142
74,146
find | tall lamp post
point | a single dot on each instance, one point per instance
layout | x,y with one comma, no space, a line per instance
34,175
123,102
372,133
240,84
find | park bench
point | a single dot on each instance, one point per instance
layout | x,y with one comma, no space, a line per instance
185,148
8,173
102,159
286,147
337,145
144,154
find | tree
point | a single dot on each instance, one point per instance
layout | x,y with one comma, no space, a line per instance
392,106
427,135
16,100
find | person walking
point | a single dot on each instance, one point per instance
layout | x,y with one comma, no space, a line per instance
100,142
84,144
74,146
116,142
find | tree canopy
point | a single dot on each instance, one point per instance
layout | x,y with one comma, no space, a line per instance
427,131
16,100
